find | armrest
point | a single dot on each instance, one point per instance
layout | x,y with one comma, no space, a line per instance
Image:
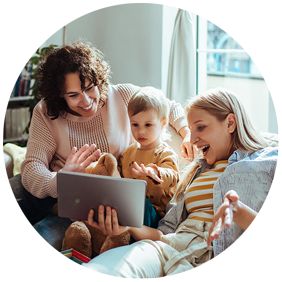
9,164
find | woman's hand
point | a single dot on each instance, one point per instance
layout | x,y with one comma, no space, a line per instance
224,215
146,171
80,160
188,150
108,226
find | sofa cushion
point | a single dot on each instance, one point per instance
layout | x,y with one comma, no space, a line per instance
9,164
175,144
17,155
271,137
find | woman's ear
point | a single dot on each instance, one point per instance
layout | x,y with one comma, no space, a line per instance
231,123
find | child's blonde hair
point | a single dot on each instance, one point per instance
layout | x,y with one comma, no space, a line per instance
150,98
220,102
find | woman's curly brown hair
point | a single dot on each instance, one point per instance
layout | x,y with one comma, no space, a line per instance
77,57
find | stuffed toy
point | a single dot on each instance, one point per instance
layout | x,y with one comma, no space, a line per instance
81,236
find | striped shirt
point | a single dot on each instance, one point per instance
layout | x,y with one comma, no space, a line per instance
199,195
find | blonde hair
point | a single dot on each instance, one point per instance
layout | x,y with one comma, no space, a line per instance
150,98
220,102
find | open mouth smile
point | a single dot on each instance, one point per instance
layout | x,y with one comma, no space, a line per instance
204,149
88,108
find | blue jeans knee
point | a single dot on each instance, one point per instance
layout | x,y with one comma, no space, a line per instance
34,209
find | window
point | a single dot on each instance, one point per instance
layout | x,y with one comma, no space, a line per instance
226,56
221,61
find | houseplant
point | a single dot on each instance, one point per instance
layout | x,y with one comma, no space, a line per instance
34,61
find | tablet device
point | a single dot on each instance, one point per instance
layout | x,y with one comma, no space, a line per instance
80,192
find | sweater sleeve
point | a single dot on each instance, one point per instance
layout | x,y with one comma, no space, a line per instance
127,91
177,118
36,175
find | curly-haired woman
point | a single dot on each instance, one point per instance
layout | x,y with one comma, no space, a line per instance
78,107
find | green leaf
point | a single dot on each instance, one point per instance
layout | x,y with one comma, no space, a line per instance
33,57
43,50
52,46
34,60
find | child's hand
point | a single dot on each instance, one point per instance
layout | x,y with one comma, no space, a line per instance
146,171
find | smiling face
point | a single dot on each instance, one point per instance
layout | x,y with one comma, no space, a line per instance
83,102
146,128
211,136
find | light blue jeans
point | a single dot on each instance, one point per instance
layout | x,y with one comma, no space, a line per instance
52,228
38,212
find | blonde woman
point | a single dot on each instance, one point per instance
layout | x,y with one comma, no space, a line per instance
234,156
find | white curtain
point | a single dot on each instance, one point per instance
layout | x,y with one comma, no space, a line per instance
181,83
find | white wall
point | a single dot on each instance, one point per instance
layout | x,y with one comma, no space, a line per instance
129,35
254,95
135,39
275,113
56,39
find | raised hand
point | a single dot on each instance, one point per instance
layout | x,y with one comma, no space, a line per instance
146,171
77,161
224,215
189,151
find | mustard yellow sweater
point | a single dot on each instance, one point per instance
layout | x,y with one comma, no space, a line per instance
165,160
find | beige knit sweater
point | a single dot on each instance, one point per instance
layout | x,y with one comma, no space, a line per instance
50,141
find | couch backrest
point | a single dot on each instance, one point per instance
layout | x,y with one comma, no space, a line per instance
175,144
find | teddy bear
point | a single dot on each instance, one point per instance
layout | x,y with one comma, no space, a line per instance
84,238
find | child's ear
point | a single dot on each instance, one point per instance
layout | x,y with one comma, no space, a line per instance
165,121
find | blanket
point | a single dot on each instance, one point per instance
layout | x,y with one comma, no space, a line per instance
18,155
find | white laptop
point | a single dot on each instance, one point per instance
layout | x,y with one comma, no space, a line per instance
80,192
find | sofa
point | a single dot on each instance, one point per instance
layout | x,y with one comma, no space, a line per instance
212,269
14,155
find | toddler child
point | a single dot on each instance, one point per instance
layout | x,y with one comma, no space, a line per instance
150,158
